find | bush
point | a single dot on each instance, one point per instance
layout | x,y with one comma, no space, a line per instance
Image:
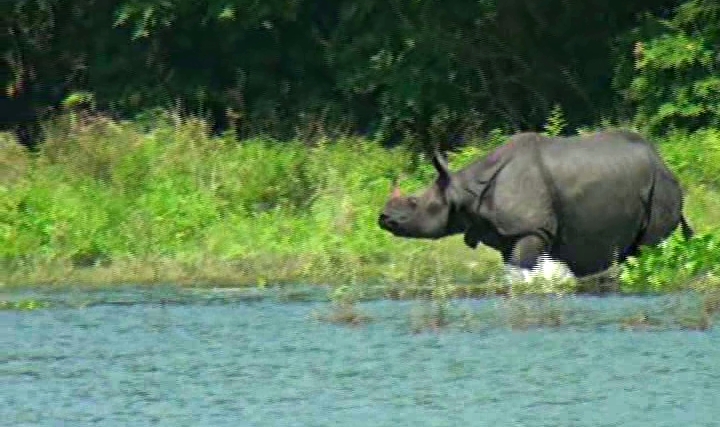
672,265
102,193
672,75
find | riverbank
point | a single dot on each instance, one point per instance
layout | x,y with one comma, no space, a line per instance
106,203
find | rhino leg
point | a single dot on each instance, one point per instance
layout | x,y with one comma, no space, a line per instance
526,252
522,259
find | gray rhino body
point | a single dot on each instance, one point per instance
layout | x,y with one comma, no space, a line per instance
585,201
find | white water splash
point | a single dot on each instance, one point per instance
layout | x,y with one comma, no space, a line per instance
546,268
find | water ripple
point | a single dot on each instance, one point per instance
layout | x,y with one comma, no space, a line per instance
257,362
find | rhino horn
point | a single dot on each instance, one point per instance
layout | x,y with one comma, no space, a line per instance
396,193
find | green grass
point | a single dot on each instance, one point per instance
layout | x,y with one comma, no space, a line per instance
103,203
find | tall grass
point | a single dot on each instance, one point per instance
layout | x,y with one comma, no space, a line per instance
106,202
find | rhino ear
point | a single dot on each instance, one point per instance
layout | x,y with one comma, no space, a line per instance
441,165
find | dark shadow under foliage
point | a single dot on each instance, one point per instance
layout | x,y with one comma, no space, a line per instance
430,70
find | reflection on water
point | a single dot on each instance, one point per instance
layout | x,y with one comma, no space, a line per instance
161,357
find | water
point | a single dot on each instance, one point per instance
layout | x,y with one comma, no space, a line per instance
136,358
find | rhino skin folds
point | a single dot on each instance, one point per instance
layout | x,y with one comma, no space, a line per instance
583,200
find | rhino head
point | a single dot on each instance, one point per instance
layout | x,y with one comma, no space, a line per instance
431,214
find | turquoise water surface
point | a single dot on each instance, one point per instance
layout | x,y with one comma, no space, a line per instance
202,358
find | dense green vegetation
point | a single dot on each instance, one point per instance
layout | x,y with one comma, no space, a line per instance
217,140
105,202
174,204
434,71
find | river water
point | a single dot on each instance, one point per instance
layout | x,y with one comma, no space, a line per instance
135,357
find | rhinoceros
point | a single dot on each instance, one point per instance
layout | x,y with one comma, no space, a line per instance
585,201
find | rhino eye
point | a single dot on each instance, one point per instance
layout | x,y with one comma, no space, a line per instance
434,208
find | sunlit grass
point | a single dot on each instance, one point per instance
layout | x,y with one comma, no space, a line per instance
103,203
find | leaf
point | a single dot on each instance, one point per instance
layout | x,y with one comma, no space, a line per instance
227,14
75,99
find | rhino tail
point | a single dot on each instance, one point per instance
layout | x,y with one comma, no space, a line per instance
687,231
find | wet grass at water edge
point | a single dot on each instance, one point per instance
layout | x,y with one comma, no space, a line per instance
689,311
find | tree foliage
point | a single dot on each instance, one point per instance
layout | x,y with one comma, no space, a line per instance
673,76
428,69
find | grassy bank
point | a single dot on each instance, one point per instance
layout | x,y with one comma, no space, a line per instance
105,202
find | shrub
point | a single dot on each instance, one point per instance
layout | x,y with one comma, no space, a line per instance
672,76
671,265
